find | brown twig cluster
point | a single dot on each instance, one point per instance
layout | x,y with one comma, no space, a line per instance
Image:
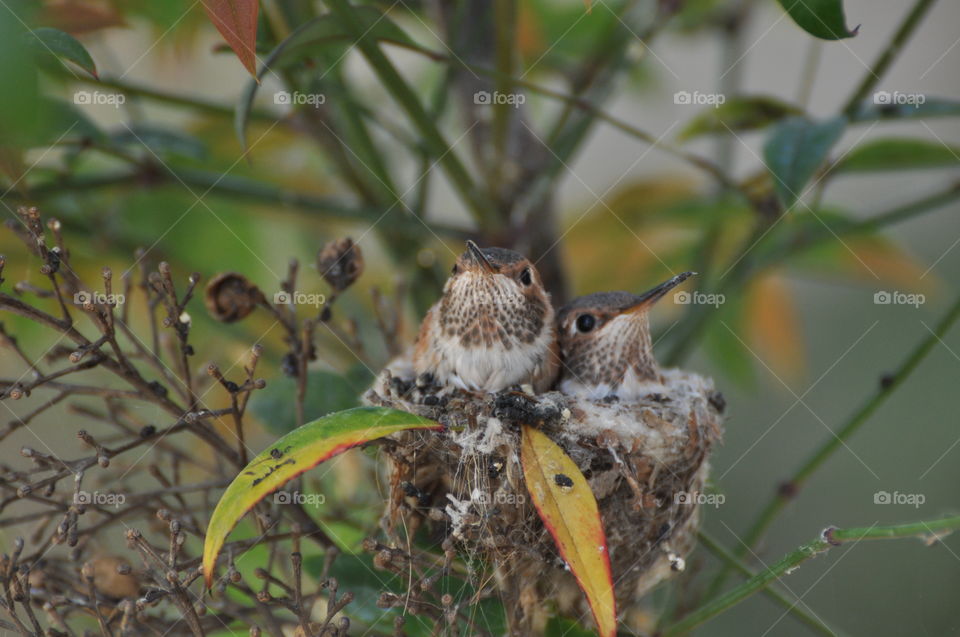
134,475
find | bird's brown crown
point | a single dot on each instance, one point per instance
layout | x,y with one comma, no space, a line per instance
494,295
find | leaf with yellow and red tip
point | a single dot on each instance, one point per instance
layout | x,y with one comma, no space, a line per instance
568,509
298,451
236,20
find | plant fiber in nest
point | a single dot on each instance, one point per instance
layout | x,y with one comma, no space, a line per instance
645,461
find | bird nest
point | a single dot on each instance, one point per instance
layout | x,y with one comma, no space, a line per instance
646,462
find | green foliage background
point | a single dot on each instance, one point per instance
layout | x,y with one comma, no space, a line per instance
798,199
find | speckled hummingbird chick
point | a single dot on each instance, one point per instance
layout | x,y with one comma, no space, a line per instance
492,328
605,343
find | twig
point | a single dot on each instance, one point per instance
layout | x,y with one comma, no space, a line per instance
829,538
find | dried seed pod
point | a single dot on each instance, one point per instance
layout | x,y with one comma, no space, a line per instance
230,297
113,577
340,263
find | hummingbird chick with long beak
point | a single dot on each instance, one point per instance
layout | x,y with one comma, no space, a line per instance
605,343
492,328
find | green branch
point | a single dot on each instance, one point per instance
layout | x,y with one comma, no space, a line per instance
829,538
166,97
875,72
731,561
822,454
482,209
248,190
686,334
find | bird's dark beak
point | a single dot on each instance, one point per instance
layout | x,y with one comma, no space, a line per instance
479,257
646,300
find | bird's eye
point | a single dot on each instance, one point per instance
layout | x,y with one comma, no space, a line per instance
586,322
454,269
525,277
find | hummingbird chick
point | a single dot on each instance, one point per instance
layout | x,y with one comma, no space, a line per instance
492,328
605,343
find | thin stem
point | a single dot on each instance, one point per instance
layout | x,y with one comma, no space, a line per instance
505,19
249,190
699,316
880,66
166,97
829,538
792,486
479,206
731,561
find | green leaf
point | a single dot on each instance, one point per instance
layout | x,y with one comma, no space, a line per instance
566,627
738,114
356,574
898,154
727,352
65,46
794,151
327,392
325,36
293,454
880,107
823,19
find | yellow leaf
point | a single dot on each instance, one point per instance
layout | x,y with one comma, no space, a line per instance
301,449
773,327
568,509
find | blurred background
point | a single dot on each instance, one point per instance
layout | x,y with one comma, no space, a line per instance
796,346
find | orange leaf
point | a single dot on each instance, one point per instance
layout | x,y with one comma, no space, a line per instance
771,322
568,509
236,20
877,256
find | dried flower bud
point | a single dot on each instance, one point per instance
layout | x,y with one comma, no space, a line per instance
230,297
340,263
113,577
